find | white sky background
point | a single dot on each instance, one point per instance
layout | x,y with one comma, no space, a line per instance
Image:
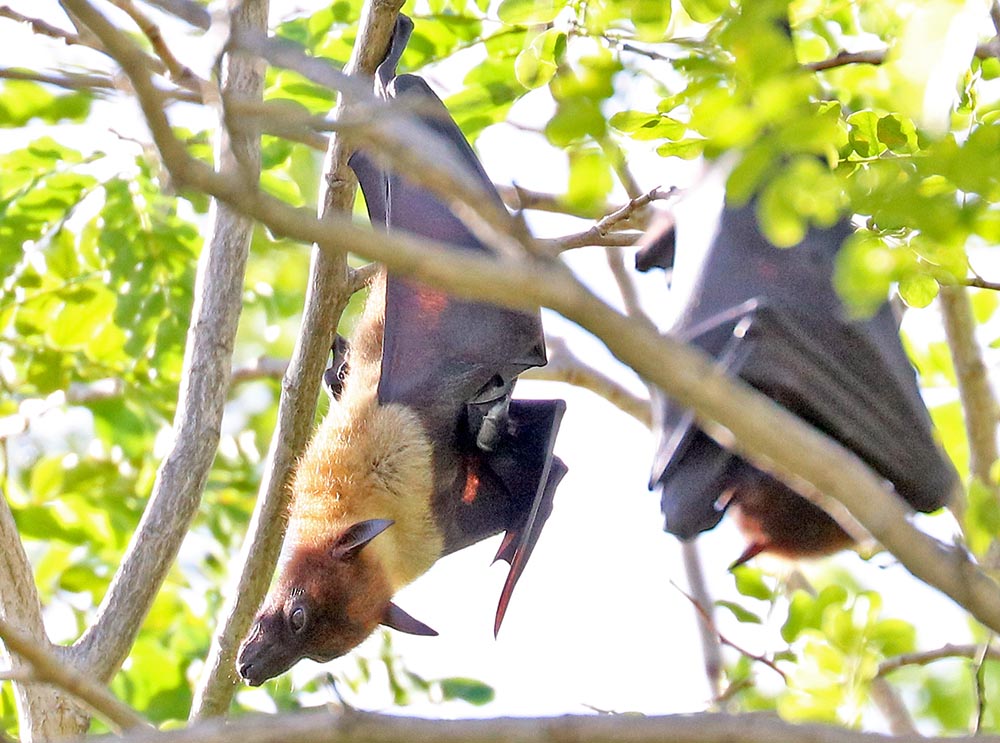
594,620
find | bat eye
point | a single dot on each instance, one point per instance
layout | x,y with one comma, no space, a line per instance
297,619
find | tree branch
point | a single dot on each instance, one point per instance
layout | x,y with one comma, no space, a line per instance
43,712
43,28
324,727
183,473
601,233
711,645
969,652
565,366
518,198
331,284
47,668
979,407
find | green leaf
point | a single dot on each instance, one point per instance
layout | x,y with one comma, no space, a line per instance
685,149
468,690
651,19
750,582
918,289
537,65
897,133
524,12
705,11
984,304
863,134
22,100
590,179
742,615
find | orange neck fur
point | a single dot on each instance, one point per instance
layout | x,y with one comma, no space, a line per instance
369,461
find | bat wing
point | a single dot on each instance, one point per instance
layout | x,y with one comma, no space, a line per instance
439,351
835,378
510,489
657,247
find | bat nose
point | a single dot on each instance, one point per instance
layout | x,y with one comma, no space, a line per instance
246,673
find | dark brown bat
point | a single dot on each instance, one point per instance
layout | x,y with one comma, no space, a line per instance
423,452
771,316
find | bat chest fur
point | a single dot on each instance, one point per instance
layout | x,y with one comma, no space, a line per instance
773,517
370,462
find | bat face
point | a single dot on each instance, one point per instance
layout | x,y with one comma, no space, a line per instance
326,602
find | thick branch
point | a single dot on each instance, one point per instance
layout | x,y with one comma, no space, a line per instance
324,727
978,404
330,287
47,668
43,712
205,380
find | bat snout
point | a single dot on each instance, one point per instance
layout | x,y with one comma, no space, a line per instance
250,674
262,658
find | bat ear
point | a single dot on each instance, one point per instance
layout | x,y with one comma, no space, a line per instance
753,549
357,536
399,620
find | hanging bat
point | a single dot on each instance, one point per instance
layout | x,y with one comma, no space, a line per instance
771,316
424,450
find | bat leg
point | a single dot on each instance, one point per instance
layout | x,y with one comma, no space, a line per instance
336,374
488,412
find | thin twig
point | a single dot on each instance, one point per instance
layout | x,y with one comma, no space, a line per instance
978,282
842,58
564,366
601,233
46,667
179,73
890,704
362,276
944,652
706,617
517,197
43,28
979,675
187,10
711,646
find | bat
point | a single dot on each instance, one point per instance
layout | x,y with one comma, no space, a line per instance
771,317
424,450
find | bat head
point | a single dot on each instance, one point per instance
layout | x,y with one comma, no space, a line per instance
775,519
326,602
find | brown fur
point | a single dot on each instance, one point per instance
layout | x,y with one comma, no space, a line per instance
778,521
366,461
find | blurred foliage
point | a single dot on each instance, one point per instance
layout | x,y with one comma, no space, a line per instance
98,257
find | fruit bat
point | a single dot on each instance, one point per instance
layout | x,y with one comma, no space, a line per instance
772,317
424,450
